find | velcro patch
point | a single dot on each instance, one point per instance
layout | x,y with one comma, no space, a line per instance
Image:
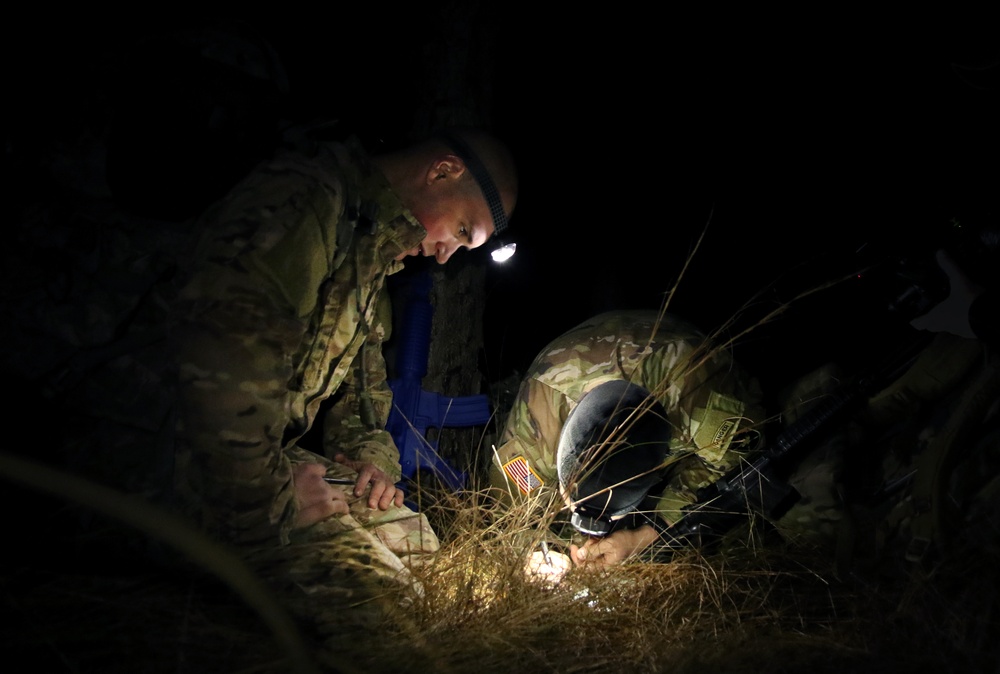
521,474
719,422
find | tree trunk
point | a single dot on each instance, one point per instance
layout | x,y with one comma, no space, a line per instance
458,91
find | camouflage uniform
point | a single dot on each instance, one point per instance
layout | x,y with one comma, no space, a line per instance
270,304
714,407
816,518
929,442
283,309
908,470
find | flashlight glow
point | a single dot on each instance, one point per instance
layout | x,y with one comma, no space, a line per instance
549,571
504,253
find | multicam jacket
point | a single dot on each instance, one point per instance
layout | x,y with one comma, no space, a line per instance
714,407
282,297
218,340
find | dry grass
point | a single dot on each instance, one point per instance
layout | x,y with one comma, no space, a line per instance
751,605
109,601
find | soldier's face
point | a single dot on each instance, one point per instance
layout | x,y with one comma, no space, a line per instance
460,219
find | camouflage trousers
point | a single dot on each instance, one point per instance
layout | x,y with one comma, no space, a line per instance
351,579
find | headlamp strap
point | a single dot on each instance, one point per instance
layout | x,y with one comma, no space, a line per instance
483,179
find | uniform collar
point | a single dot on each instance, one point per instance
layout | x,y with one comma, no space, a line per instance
396,229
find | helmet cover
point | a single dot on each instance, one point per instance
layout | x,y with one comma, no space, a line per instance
611,450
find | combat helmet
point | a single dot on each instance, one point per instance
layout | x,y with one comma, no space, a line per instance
611,452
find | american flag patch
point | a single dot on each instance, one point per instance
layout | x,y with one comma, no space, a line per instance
518,470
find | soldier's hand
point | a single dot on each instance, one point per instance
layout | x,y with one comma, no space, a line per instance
315,497
548,567
384,492
599,553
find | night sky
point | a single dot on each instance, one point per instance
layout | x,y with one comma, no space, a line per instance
792,141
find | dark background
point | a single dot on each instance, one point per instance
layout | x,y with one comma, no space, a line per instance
804,145
801,146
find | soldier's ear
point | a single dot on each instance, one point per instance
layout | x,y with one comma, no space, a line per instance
444,167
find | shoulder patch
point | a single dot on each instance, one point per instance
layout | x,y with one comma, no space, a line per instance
719,423
521,474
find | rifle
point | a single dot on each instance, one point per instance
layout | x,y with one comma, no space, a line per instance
415,410
759,485
914,284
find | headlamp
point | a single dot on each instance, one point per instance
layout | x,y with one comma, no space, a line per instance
599,514
590,525
500,250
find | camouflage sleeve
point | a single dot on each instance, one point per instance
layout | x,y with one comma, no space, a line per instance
716,413
526,458
502,487
355,423
231,418
687,476
241,318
